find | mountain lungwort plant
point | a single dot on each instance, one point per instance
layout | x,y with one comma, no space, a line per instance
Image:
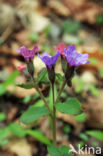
70,59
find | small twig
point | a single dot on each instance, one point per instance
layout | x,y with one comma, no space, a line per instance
6,34
42,96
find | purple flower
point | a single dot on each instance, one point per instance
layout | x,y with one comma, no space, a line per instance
74,58
26,53
49,60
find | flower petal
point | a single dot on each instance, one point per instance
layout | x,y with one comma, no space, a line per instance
48,59
74,58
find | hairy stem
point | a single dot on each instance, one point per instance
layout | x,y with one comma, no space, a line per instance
41,95
60,91
54,117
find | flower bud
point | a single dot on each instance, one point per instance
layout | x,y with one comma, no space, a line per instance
21,67
23,70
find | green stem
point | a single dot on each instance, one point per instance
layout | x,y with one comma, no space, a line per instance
54,117
41,95
60,91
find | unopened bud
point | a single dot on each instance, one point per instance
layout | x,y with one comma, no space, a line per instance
23,70
21,67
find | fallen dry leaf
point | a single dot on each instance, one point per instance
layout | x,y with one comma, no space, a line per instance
20,147
59,7
84,10
94,111
70,119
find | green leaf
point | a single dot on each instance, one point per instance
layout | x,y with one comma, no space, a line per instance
8,82
71,26
81,117
93,61
2,116
39,136
64,150
39,103
47,30
46,47
41,75
64,95
53,151
17,130
27,99
61,151
3,136
4,142
67,129
35,96
59,77
26,86
99,19
79,84
34,37
72,106
94,91
83,136
33,114
81,144
96,134
3,133
101,71
95,143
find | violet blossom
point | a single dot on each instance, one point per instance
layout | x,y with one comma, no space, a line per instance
49,60
26,53
74,58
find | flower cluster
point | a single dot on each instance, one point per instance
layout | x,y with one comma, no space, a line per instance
69,57
73,57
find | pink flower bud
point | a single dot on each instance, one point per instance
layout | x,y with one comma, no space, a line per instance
21,67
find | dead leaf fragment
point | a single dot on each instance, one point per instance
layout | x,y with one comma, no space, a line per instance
20,147
59,7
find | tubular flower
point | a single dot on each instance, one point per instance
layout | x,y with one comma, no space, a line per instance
26,53
21,67
74,58
61,47
49,60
